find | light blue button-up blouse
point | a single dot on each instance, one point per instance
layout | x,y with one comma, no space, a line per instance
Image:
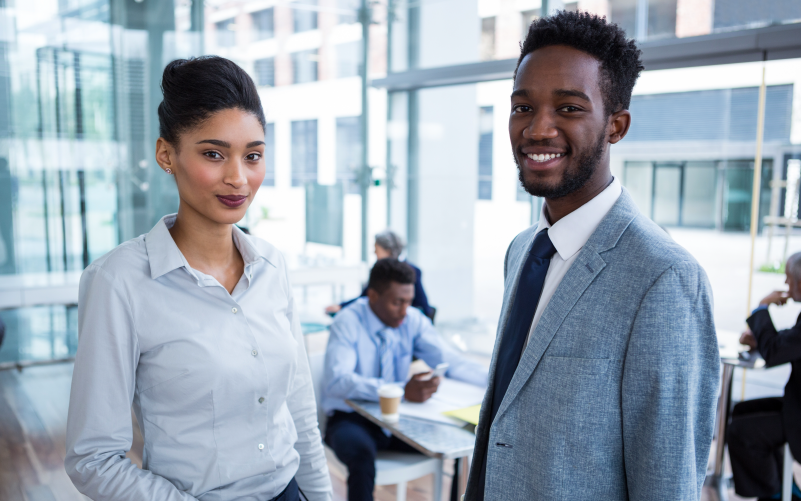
219,382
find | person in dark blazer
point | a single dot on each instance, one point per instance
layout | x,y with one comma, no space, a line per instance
389,245
759,428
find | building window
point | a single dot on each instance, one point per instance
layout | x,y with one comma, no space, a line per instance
226,36
304,66
304,15
485,153
263,24
304,152
349,5
349,59
269,155
645,20
487,49
349,152
529,16
265,71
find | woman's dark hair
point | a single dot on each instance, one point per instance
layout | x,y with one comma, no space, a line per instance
606,42
194,89
390,270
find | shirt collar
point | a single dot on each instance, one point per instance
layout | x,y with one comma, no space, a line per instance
372,323
164,256
570,233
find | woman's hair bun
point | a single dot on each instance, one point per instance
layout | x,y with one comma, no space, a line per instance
196,88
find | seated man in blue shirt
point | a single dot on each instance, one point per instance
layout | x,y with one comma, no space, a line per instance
372,342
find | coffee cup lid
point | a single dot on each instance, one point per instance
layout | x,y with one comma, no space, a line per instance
390,391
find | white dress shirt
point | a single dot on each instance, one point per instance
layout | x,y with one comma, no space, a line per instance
568,236
219,382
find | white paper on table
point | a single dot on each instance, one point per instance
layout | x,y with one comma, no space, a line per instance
450,395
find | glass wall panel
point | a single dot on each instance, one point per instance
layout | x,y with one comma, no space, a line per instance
349,153
639,180
699,194
667,194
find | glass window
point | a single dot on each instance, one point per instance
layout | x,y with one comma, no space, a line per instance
226,36
487,49
486,125
263,24
349,59
528,17
304,66
750,14
304,152
349,152
700,194
269,155
265,71
638,178
353,7
304,15
667,194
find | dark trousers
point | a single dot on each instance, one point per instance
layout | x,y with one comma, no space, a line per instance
356,442
755,438
290,493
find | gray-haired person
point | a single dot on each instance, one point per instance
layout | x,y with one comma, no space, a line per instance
389,244
759,428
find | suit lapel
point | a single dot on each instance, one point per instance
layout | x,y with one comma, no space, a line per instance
582,272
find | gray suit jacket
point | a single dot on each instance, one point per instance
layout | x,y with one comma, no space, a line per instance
614,397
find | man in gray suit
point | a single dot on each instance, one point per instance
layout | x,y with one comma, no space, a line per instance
604,376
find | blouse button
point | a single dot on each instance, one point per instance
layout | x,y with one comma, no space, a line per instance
261,400
234,310
254,353
261,446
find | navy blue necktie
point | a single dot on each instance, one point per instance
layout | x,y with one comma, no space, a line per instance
527,297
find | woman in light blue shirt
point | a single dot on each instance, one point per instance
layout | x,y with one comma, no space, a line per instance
195,326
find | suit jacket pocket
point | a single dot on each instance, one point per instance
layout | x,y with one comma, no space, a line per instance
576,366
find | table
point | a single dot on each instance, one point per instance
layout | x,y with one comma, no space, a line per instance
434,439
729,359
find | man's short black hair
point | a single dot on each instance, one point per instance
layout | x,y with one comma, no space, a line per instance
606,42
390,270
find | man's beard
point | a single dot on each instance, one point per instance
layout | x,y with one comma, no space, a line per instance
571,180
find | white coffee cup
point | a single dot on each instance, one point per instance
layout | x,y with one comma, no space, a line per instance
389,396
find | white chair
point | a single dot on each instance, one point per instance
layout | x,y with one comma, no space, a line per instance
787,475
391,467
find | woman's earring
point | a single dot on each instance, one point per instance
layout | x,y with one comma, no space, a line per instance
168,171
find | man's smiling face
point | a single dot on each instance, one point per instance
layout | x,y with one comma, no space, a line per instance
558,124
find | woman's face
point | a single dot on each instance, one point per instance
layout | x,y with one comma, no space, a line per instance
381,253
218,165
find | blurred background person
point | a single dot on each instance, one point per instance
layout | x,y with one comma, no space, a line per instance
389,245
759,428
372,343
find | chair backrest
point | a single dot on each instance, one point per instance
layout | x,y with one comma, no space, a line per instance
317,367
